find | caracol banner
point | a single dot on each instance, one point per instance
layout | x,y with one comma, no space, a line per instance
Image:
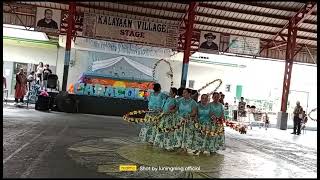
130,30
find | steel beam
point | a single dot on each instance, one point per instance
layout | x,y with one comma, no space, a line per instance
297,51
19,13
250,12
278,45
274,7
126,12
150,6
237,19
71,23
176,10
187,44
13,11
311,55
299,17
292,33
245,29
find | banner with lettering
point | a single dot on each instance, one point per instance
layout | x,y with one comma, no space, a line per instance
130,30
117,48
244,45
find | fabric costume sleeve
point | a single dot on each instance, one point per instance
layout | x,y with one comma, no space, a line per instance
173,103
194,104
149,101
177,102
164,98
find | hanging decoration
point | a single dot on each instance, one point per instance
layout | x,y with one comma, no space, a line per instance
176,127
313,110
141,116
210,83
170,73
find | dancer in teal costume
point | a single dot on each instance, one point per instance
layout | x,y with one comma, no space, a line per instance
200,143
187,108
156,100
217,110
166,139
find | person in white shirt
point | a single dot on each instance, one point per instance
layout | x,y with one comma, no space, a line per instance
39,73
30,80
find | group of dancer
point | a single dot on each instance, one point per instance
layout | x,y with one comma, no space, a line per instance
189,117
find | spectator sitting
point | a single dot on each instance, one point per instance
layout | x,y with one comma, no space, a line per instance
30,79
304,120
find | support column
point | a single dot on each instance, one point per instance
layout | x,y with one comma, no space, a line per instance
72,11
187,43
290,52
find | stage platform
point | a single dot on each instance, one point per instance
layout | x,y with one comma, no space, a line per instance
99,105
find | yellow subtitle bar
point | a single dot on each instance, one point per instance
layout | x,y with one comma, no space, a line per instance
132,168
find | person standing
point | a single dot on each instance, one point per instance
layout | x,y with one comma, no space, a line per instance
195,95
226,110
30,80
165,139
187,109
180,93
156,100
20,87
39,73
297,118
217,115
242,108
46,72
266,120
200,144
221,100
4,83
304,121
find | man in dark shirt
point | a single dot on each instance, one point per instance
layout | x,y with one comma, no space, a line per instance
47,21
46,73
209,44
297,118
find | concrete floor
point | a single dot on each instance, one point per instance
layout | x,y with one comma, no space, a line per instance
41,144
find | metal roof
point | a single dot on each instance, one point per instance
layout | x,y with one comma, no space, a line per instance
253,19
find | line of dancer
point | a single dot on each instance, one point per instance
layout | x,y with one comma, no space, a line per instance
182,118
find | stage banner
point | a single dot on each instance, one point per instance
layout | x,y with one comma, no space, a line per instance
117,48
130,30
244,45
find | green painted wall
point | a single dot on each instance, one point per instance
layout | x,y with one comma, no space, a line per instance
30,42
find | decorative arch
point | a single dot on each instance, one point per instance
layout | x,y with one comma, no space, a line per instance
155,67
208,84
